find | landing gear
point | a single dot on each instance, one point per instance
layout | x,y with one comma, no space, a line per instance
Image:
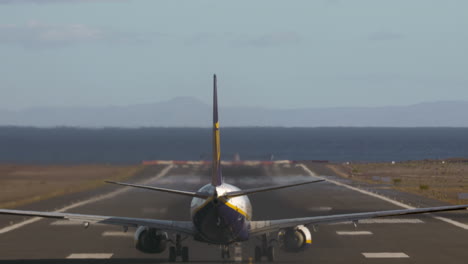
225,253
172,254
258,253
270,254
185,254
265,250
178,251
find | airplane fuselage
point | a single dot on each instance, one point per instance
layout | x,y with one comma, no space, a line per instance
221,220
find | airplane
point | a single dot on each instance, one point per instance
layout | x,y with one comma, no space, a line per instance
221,214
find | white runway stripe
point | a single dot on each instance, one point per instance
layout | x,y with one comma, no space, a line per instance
381,197
90,256
384,221
70,223
453,222
391,221
65,223
7,229
385,255
117,234
320,209
18,225
353,233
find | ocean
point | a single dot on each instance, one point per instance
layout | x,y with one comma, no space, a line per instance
131,146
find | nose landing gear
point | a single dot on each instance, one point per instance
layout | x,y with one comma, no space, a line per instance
225,253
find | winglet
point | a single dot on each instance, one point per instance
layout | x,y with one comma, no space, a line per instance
216,176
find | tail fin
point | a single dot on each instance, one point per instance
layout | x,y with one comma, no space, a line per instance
216,176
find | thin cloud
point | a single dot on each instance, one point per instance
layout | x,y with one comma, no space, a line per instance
384,35
202,38
261,40
35,34
55,1
273,39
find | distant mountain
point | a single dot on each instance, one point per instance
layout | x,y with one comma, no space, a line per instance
191,112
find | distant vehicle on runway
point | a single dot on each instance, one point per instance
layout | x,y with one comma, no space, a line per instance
221,215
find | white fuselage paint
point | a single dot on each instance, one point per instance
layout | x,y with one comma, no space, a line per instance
241,202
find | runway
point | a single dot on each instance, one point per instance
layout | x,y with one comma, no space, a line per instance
413,239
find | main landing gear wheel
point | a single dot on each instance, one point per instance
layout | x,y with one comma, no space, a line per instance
178,251
270,254
265,250
258,253
185,254
225,254
172,254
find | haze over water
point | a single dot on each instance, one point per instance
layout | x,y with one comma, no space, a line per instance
131,146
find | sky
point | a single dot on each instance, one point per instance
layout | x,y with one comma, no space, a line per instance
267,53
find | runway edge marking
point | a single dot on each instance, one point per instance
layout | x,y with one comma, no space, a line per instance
384,255
353,233
7,229
444,219
116,234
384,221
90,256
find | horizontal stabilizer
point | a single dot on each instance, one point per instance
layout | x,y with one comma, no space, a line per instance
264,189
186,193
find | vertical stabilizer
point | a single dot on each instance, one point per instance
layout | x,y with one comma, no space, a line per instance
216,177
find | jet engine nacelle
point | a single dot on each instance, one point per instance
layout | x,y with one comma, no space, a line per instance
295,239
150,240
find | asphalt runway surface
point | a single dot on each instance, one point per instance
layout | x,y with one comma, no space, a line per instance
412,239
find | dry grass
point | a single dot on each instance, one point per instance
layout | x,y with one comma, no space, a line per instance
23,184
434,179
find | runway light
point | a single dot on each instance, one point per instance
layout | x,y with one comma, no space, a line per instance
85,224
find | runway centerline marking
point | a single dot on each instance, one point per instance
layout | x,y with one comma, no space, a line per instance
90,256
381,197
385,255
353,233
98,198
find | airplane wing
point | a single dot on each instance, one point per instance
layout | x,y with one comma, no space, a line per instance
185,227
262,227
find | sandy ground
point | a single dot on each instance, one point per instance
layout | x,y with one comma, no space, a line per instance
23,184
442,180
